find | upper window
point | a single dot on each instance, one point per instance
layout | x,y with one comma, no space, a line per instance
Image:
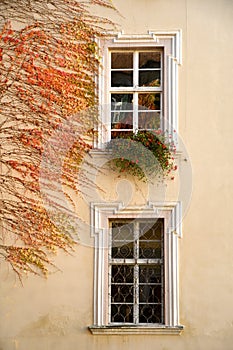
138,87
135,91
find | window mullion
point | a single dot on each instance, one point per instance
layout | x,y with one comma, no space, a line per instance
136,273
135,111
109,273
135,69
135,87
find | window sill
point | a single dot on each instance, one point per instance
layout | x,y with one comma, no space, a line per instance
120,330
104,151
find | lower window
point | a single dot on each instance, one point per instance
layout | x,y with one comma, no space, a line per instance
136,268
136,272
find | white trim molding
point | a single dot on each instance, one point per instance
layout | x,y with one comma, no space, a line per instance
158,38
125,330
101,213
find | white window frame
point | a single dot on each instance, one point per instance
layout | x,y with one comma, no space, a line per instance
101,213
135,90
170,43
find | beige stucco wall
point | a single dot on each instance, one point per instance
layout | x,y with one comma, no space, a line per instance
55,313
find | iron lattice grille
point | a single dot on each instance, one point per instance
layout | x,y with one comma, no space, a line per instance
136,269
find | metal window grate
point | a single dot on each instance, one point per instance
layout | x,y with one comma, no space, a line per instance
136,271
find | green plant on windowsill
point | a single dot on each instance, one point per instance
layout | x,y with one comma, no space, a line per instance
143,154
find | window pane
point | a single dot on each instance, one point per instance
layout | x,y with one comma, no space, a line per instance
150,313
150,274
123,251
150,241
122,231
149,60
120,117
150,294
120,134
121,102
122,313
149,78
149,101
149,68
151,232
150,250
122,78
121,293
121,120
149,120
122,274
136,279
122,240
121,60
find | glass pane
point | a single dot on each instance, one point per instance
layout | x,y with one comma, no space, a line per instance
122,313
149,101
122,231
121,102
149,69
149,78
121,293
150,313
122,120
122,251
122,274
122,78
151,232
149,250
150,294
150,274
121,60
149,120
149,60
120,134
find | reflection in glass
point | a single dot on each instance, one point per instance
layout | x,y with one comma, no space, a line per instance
149,69
122,231
121,102
125,118
149,101
149,78
121,118
121,134
149,59
149,250
149,120
148,232
122,60
122,78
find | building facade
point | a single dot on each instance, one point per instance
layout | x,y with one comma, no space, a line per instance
153,267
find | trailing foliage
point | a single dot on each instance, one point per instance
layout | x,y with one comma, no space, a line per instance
48,61
143,154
